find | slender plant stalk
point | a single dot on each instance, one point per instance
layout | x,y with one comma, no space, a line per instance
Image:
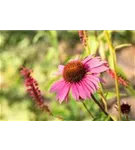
101,107
113,55
87,46
87,110
87,49
101,93
103,101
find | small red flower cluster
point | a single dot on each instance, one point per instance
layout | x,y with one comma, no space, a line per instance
33,89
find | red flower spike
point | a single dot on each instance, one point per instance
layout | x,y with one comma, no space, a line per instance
83,35
121,79
33,89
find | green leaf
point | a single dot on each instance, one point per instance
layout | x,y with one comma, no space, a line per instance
123,46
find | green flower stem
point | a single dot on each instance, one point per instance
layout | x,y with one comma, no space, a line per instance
87,110
113,55
101,93
101,107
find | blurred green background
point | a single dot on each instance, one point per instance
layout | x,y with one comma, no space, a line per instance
43,51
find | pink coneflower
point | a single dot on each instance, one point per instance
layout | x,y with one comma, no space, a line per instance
82,77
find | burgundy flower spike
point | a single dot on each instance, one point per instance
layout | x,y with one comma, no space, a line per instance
121,79
83,37
33,89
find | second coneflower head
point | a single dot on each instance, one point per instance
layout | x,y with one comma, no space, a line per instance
125,108
79,76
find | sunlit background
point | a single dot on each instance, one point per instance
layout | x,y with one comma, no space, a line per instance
43,51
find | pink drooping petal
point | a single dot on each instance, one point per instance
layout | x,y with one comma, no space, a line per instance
87,59
93,80
56,87
99,69
95,61
60,68
75,91
81,91
90,85
92,62
86,89
98,64
63,93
